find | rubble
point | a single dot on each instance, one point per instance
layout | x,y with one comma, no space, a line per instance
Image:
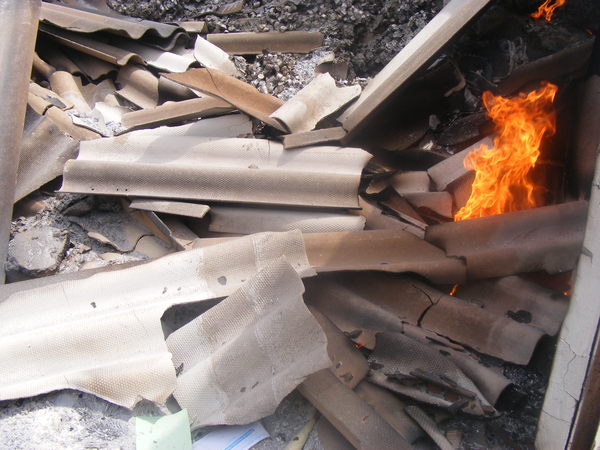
243,217
38,252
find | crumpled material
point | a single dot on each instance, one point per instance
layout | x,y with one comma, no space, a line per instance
237,361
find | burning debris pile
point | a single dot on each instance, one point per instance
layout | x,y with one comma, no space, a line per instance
219,241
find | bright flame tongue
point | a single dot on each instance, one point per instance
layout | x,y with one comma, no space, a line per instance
547,8
502,173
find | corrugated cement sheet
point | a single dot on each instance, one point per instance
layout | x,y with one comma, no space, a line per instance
230,170
85,20
102,334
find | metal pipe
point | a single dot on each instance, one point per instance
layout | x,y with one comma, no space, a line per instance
18,29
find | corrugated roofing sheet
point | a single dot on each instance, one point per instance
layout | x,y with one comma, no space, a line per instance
102,334
231,170
86,20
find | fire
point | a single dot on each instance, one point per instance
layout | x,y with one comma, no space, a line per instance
502,181
453,290
547,8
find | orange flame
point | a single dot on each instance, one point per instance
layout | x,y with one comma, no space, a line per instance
502,172
453,291
547,8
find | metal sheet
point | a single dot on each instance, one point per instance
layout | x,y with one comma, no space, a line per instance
102,333
18,23
248,220
255,43
234,170
547,238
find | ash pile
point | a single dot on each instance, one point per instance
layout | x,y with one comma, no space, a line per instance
363,226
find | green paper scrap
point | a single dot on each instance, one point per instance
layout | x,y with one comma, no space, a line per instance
163,432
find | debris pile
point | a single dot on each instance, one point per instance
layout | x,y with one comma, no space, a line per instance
216,244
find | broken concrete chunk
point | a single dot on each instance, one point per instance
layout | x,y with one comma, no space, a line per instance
39,251
314,102
238,373
117,230
273,42
212,57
